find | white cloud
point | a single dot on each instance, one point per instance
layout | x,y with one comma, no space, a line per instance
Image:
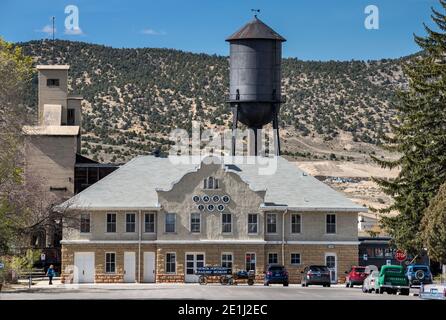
152,32
74,32
46,29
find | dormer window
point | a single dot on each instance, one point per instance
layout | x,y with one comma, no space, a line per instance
211,183
52,82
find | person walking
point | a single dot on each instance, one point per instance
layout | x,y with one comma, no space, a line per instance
50,273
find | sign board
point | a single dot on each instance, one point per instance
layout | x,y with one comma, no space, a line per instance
2,266
365,257
210,271
400,255
42,257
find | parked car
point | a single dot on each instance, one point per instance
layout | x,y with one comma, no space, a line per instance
418,274
368,286
276,273
356,276
433,291
314,274
392,279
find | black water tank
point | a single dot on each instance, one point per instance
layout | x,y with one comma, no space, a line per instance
255,72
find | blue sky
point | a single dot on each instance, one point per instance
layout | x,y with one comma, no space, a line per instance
315,30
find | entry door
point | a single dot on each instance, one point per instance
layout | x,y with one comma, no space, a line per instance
129,266
331,263
193,261
149,266
84,263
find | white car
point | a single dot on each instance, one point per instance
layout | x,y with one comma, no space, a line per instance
368,285
433,291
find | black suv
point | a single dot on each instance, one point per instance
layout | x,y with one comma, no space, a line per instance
316,275
276,273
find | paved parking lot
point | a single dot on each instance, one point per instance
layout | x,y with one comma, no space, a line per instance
195,291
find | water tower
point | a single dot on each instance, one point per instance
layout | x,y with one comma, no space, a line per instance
255,79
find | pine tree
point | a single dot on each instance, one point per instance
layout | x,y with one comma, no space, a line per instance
434,227
420,139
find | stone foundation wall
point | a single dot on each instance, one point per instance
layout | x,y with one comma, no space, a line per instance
109,278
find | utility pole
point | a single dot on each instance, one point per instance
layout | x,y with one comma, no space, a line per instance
53,18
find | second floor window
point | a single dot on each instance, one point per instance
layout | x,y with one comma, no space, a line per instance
130,222
149,222
85,223
271,223
195,223
295,223
52,82
226,222
252,223
170,222
330,226
111,222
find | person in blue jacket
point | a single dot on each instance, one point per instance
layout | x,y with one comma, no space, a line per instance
50,273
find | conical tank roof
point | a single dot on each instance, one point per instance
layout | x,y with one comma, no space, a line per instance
255,29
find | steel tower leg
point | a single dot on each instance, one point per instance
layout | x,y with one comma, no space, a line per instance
234,126
276,130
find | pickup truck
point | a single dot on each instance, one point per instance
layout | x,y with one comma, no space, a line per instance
391,279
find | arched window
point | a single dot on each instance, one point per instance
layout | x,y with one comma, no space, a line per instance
210,183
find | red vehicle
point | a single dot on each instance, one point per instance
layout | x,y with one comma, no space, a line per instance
356,276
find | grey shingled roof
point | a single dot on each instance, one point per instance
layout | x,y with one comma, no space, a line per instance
134,185
255,29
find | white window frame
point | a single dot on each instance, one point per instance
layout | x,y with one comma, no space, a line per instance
126,214
106,222
190,222
335,224
277,255
215,183
232,259
89,223
291,259
105,269
272,214
165,264
255,257
174,222
291,223
154,223
257,224
223,224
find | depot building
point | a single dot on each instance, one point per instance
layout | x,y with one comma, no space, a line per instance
153,220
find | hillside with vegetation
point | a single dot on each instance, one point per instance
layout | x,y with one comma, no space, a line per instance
134,97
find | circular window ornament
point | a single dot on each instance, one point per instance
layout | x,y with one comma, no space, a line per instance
226,199
206,199
211,207
220,207
216,198
196,198
200,207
